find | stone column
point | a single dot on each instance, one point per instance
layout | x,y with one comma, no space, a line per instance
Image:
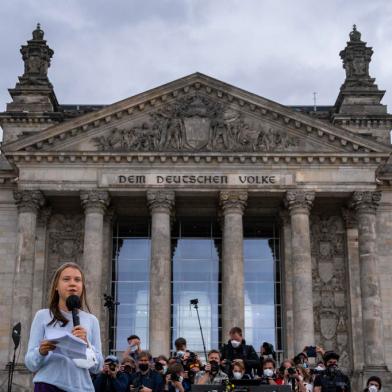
29,203
365,204
233,204
299,204
161,204
94,204
288,287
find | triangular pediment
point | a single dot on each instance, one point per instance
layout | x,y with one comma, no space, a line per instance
195,114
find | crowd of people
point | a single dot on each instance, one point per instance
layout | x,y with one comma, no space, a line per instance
233,366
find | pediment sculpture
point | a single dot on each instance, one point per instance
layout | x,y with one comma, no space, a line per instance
196,123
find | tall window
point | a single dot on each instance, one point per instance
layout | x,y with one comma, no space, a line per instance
262,283
196,276
196,266
131,282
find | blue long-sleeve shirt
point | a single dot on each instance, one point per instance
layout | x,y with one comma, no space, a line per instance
56,369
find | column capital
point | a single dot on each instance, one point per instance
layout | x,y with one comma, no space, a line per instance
29,201
95,201
349,218
160,200
299,200
233,201
367,201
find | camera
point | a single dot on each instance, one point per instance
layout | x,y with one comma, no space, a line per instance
311,351
158,366
291,371
174,377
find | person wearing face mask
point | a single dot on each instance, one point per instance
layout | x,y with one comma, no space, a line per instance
373,384
177,383
212,374
332,379
236,348
146,379
133,350
268,374
238,370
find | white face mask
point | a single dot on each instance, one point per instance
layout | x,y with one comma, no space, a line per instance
180,379
164,369
372,388
235,344
268,372
319,368
180,353
237,375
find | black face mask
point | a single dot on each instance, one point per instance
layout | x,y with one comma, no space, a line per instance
143,367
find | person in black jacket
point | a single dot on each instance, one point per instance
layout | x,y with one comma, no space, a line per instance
111,379
236,348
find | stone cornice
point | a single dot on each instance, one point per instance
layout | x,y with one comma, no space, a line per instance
148,100
301,158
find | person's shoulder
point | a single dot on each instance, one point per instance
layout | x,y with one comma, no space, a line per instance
88,315
43,314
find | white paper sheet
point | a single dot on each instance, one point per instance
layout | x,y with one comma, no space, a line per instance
67,344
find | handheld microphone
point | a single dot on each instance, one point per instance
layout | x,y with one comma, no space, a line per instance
73,304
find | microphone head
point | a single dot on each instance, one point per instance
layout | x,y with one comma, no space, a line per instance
73,302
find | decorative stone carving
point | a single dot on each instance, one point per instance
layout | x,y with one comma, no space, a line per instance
65,241
356,58
29,201
197,123
366,201
329,285
160,200
36,56
96,201
233,200
299,199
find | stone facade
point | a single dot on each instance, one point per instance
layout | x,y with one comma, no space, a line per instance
67,173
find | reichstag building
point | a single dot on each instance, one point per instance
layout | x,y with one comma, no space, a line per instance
278,219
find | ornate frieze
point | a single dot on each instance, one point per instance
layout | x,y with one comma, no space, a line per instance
161,200
96,201
299,200
197,123
367,201
233,200
329,285
29,201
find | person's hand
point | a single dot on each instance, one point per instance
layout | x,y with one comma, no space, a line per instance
80,332
320,350
271,381
207,368
46,346
145,389
113,373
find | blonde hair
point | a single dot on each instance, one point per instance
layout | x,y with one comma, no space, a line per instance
54,298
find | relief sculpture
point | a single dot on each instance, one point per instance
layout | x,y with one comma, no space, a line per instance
329,293
196,123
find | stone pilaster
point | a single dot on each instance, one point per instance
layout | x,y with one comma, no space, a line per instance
365,205
161,204
233,204
354,287
299,204
288,287
94,204
29,204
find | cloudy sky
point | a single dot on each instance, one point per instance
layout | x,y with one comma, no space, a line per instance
284,50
